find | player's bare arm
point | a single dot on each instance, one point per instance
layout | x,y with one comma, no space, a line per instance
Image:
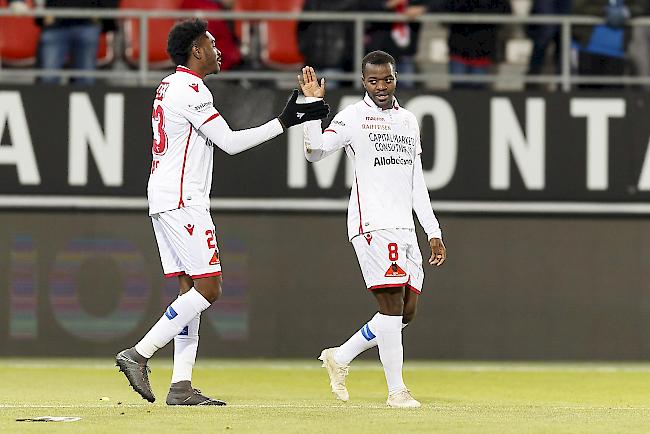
438,252
309,83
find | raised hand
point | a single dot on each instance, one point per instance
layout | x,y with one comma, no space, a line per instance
309,83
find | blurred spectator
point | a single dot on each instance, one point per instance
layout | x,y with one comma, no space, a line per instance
400,39
220,29
473,47
543,35
639,48
602,48
328,46
71,41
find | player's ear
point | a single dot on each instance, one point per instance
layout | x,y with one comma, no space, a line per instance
196,51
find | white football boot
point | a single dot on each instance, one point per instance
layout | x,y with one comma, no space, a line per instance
337,374
402,399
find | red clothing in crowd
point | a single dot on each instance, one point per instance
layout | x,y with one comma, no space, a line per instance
226,42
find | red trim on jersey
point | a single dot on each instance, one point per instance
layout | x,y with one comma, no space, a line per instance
330,131
188,70
187,145
413,289
388,285
201,276
214,116
178,273
358,203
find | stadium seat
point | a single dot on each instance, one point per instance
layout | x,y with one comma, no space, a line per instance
243,28
278,39
105,49
157,32
18,39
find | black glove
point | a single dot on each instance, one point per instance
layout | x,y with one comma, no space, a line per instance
294,113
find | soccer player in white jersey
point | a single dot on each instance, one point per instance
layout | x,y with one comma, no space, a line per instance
383,140
186,127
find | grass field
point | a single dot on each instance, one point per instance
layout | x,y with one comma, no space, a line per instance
294,396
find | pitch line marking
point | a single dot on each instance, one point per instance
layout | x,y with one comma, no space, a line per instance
430,406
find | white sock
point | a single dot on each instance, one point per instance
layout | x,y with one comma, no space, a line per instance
177,316
388,329
185,345
359,342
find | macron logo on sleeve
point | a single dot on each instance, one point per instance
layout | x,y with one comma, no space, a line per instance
195,87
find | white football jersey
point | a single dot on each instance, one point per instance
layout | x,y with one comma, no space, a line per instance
385,147
181,168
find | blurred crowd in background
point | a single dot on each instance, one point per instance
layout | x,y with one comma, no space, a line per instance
612,48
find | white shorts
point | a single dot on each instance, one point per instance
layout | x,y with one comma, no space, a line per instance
390,258
187,242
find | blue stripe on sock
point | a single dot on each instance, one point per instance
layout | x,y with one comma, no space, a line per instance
185,331
170,313
365,331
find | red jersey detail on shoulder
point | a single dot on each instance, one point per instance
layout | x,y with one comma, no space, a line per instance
195,87
214,116
160,91
188,70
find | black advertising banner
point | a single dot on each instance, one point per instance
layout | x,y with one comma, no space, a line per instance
292,286
91,148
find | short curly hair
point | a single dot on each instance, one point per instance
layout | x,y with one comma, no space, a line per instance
181,38
377,57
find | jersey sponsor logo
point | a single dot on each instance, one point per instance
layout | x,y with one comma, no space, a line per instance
395,271
190,229
195,87
338,122
389,161
215,259
393,147
202,105
381,127
374,118
391,138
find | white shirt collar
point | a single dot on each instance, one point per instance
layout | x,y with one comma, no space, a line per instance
370,103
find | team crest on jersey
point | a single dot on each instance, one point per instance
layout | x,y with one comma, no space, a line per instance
195,87
395,271
215,259
190,229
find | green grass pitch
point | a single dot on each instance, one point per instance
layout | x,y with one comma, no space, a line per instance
293,396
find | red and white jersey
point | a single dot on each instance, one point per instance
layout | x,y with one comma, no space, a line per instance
181,169
388,181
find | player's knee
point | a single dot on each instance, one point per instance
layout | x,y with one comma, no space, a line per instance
209,287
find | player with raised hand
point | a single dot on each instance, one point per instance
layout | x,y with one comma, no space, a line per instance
383,140
186,127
